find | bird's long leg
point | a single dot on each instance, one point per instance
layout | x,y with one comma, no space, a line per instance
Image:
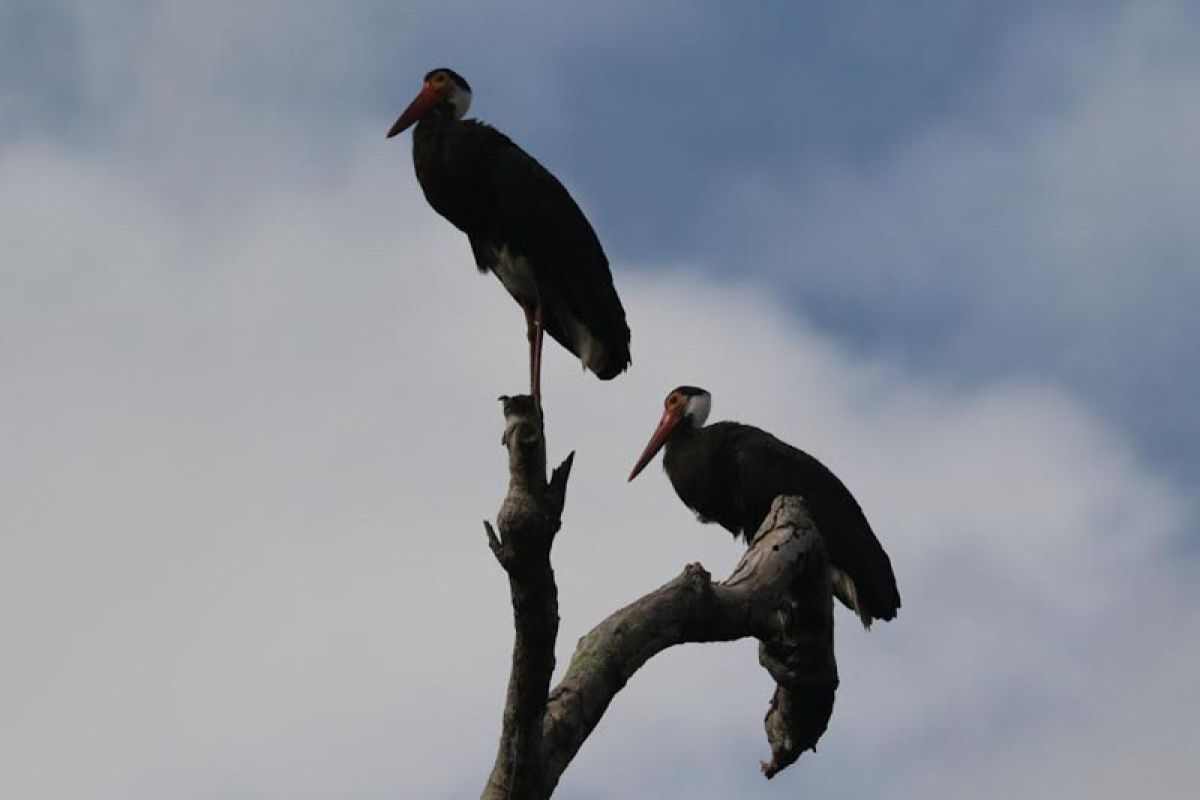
539,329
531,335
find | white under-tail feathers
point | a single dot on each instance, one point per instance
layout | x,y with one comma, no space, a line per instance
845,590
592,354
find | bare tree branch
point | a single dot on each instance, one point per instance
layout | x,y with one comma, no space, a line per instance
528,520
779,593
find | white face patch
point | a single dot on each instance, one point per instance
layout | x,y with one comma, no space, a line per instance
697,408
459,99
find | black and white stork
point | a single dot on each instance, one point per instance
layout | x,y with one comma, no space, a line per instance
523,225
730,473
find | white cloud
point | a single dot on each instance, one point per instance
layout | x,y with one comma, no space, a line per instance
248,432
1041,227
246,468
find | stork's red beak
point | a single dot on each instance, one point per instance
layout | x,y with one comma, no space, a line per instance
422,104
670,419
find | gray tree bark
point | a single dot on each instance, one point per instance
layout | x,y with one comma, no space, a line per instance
779,593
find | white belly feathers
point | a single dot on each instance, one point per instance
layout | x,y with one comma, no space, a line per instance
516,273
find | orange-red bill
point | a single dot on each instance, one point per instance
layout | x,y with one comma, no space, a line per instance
670,419
421,105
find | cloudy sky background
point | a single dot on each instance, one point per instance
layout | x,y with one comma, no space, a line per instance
248,426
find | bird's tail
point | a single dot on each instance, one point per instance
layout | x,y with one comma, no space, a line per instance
845,590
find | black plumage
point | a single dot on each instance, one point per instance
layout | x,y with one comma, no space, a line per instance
730,473
522,224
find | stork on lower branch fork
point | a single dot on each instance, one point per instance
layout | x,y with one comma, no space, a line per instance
730,473
522,224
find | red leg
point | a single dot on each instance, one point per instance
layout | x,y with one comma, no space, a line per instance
539,336
531,335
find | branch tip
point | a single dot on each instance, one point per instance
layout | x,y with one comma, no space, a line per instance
495,545
558,482
696,576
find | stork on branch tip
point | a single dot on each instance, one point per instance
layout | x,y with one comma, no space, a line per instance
523,226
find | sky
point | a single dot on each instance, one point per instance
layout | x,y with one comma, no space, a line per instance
248,427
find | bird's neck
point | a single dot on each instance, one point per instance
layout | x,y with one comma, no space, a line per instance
684,434
430,138
438,118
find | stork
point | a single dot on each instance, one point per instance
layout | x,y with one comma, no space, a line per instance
730,473
522,225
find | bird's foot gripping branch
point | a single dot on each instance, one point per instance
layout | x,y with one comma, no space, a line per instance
779,593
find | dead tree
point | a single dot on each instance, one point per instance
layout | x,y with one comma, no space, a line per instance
779,593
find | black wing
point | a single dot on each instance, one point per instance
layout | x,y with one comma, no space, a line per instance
769,467
534,215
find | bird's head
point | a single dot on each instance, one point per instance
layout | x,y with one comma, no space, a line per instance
443,89
685,406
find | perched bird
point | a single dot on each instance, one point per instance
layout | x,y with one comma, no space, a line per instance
522,225
730,473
